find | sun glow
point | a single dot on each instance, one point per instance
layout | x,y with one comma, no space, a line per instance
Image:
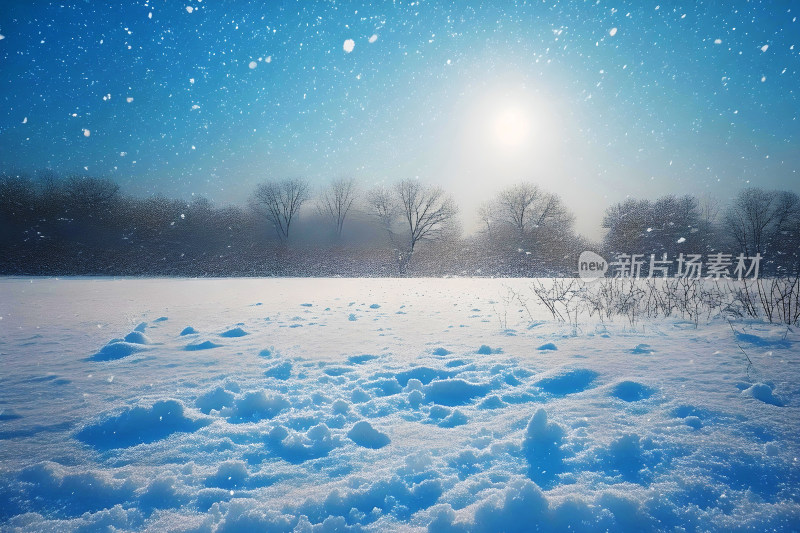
510,127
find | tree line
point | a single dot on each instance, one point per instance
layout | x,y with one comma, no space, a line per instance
82,225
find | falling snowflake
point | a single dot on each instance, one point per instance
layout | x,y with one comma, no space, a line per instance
764,48
613,32
348,45
129,99
189,9
253,65
373,38
717,41
86,132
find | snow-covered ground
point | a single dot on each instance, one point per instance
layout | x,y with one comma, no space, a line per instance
382,404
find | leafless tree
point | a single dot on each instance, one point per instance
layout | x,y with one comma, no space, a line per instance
526,207
422,212
709,209
487,217
382,203
757,218
87,196
336,200
282,200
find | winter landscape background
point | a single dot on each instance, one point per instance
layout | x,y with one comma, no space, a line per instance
399,266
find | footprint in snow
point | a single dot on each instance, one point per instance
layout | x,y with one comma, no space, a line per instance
631,391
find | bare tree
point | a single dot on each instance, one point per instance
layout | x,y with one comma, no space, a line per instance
423,213
282,200
757,218
336,200
487,217
709,209
526,207
87,194
383,205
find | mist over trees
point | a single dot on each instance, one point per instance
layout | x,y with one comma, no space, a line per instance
756,222
421,212
82,225
768,223
282,201
335,201
670,224
524,224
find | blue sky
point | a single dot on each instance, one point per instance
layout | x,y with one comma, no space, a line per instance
607,99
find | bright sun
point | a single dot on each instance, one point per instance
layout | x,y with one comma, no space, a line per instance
511,127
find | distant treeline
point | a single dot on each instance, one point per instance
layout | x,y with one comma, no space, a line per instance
82,225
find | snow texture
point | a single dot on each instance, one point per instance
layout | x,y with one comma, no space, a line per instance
116,416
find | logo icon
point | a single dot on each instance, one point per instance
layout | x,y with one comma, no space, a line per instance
591,266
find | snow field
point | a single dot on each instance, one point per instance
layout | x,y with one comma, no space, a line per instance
329,405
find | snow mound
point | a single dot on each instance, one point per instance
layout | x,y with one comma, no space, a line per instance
50,487
488,350
542,448
137,337
456,418
255,406
188,330
162,493
628,456
516,509
360,359
492,402
547,346
365,435
424,374
140,425
282,371
229,475
385,386
441,352
641,349
340,407
116,350
296,447
359,395
205,345
235,332
763,392
454,392
568,382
